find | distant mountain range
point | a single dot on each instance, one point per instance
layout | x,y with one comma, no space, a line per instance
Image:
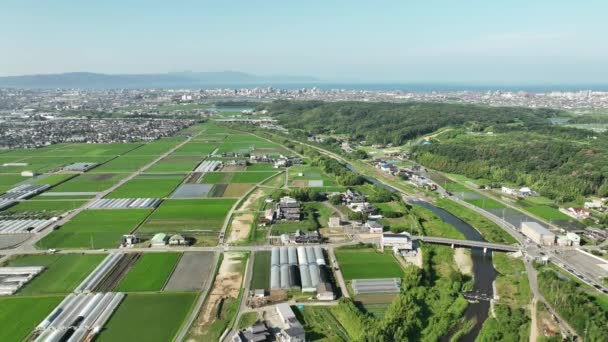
185,79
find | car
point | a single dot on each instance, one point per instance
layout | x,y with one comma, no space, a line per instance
51,251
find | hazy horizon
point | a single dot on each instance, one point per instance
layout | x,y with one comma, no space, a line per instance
519,42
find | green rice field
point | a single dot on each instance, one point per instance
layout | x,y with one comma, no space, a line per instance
90,182
124,164
95,229
261,271
367,263
148,186
150,273
20,315
236,177
52,207
63,272
189,214
176,163
148,317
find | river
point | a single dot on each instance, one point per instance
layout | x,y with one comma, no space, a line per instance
484,273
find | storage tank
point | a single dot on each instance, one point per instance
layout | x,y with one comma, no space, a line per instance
284,276
283,256
292,256
274,257
294,276
314,274
302,256
310,254
275,279
320,259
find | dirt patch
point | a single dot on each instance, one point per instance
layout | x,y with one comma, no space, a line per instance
240,227
102,176
236,190
415,260
218,190
250,201
192,272
462,256
300,183
227,285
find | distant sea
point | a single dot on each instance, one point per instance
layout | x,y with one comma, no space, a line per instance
406,87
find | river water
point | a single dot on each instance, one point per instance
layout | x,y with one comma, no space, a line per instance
484,273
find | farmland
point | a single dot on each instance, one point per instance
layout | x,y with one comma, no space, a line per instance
89,182
236,177
176,163
51,208
124,164
148,186
148,317
261,271
150,273
95,229
188,214
62,274
367,263
20,315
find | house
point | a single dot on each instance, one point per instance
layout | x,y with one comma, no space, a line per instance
288,209
269,214
364,208
255,333
293,330
400,242
576,213
159,240
177,240
374,227
353,197
27,174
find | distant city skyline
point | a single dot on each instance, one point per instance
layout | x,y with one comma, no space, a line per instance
478,42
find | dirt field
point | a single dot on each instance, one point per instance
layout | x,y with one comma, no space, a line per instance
250,201
227,285
462,256
120,270
236,190
240,227
192,272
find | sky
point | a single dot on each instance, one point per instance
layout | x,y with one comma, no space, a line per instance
505,42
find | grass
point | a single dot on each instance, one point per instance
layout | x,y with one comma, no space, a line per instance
20,315
512,282
236,190
547,213
260,167
52,208
63,273
247,319
190,214
433,225
261,271
89,182
321,324
148,317
196,148
148,186
8,182
53,179
149,273
95,229
489,230
367,263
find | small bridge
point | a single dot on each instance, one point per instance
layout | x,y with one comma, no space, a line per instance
467,243
476,296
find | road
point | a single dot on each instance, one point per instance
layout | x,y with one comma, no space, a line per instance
244,296
337,271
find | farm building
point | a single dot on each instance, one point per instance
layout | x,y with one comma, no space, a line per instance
538,233
177,240
20,192
254,333
288,209
382,285
208,166
13,278
24,226
129,240
400,242
79,167
99,273
159,240
302,267
125,203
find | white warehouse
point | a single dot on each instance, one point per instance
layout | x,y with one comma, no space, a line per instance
537,233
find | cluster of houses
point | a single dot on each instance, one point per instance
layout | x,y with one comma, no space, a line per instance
411,173
280,162
158,240
357,202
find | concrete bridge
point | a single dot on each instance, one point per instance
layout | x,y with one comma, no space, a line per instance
467,243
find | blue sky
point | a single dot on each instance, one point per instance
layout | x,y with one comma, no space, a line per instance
472,41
